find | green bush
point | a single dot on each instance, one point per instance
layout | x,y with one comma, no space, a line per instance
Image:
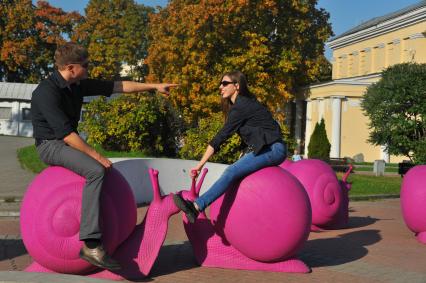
130,122
319,145
196,140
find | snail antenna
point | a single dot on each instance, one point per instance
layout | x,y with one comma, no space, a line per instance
345,177
200,182
153,174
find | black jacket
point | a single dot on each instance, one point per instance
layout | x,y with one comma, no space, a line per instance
252,121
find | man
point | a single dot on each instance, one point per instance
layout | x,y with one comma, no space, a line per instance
56,105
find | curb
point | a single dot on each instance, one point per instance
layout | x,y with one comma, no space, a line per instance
373,197
10,199
20,276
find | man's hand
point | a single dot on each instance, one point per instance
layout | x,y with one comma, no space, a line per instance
165,88
75,141
103,160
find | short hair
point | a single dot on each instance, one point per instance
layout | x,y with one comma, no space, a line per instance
69,53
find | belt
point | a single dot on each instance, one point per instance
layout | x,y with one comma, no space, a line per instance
40,141
248,149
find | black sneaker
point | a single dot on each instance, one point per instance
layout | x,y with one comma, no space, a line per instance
187,207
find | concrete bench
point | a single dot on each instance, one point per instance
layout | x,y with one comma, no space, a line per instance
173,176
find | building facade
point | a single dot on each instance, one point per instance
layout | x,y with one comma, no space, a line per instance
15,109
359,57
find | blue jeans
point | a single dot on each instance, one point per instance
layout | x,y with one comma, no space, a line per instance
270,155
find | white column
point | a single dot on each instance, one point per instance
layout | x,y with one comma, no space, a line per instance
384,154
298,123
321,108
308,130
336,110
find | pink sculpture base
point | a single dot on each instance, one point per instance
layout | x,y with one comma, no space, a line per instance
139,251
212,250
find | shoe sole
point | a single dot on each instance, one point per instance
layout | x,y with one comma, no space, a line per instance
181,204
95,263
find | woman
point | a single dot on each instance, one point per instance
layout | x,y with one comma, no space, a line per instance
257,129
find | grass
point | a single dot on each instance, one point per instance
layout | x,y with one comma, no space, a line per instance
28,157
372,185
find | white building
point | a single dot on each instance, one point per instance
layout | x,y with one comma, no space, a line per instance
15,109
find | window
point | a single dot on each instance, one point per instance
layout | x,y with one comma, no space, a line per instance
5,113
26,114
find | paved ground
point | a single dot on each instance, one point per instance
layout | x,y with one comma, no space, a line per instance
376,247
13,179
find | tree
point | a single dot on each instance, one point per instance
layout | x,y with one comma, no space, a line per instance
396,106
319,145
276,43
115,34
28,38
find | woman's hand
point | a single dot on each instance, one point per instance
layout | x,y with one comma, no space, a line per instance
195,171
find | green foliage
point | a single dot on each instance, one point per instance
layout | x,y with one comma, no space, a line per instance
131,123
396,106
115,33
196,140
319,145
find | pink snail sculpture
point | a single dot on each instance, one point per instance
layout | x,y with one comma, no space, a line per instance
258,226
328,196
413,200
50,220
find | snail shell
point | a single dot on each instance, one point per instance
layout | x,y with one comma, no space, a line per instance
413,199
328,196
267,216
50,218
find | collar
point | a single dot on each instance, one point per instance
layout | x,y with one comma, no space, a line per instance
59,80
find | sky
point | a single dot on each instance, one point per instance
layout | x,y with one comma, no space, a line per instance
344,14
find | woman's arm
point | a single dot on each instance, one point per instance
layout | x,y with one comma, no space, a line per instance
207,154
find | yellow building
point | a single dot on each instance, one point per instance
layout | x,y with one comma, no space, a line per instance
359,56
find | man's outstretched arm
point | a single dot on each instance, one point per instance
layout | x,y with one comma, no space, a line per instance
129,87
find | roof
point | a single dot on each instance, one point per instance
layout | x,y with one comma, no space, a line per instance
375,21
16,91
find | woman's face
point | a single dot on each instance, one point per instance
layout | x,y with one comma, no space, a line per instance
228,88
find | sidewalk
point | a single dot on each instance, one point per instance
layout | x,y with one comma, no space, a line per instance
376,247
13,179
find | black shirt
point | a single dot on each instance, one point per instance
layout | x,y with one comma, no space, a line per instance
252,121
56,108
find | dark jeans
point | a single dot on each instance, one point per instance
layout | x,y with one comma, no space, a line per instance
56,152
270,155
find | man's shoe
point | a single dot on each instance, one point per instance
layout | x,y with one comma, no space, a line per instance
99,258
187,207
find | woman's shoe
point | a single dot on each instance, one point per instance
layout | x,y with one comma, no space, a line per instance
187,207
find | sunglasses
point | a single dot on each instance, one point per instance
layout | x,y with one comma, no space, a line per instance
225,83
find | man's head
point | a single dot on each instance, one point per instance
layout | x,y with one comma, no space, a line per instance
72,61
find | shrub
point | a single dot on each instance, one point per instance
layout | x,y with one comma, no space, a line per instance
319,145
131,122
196,140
